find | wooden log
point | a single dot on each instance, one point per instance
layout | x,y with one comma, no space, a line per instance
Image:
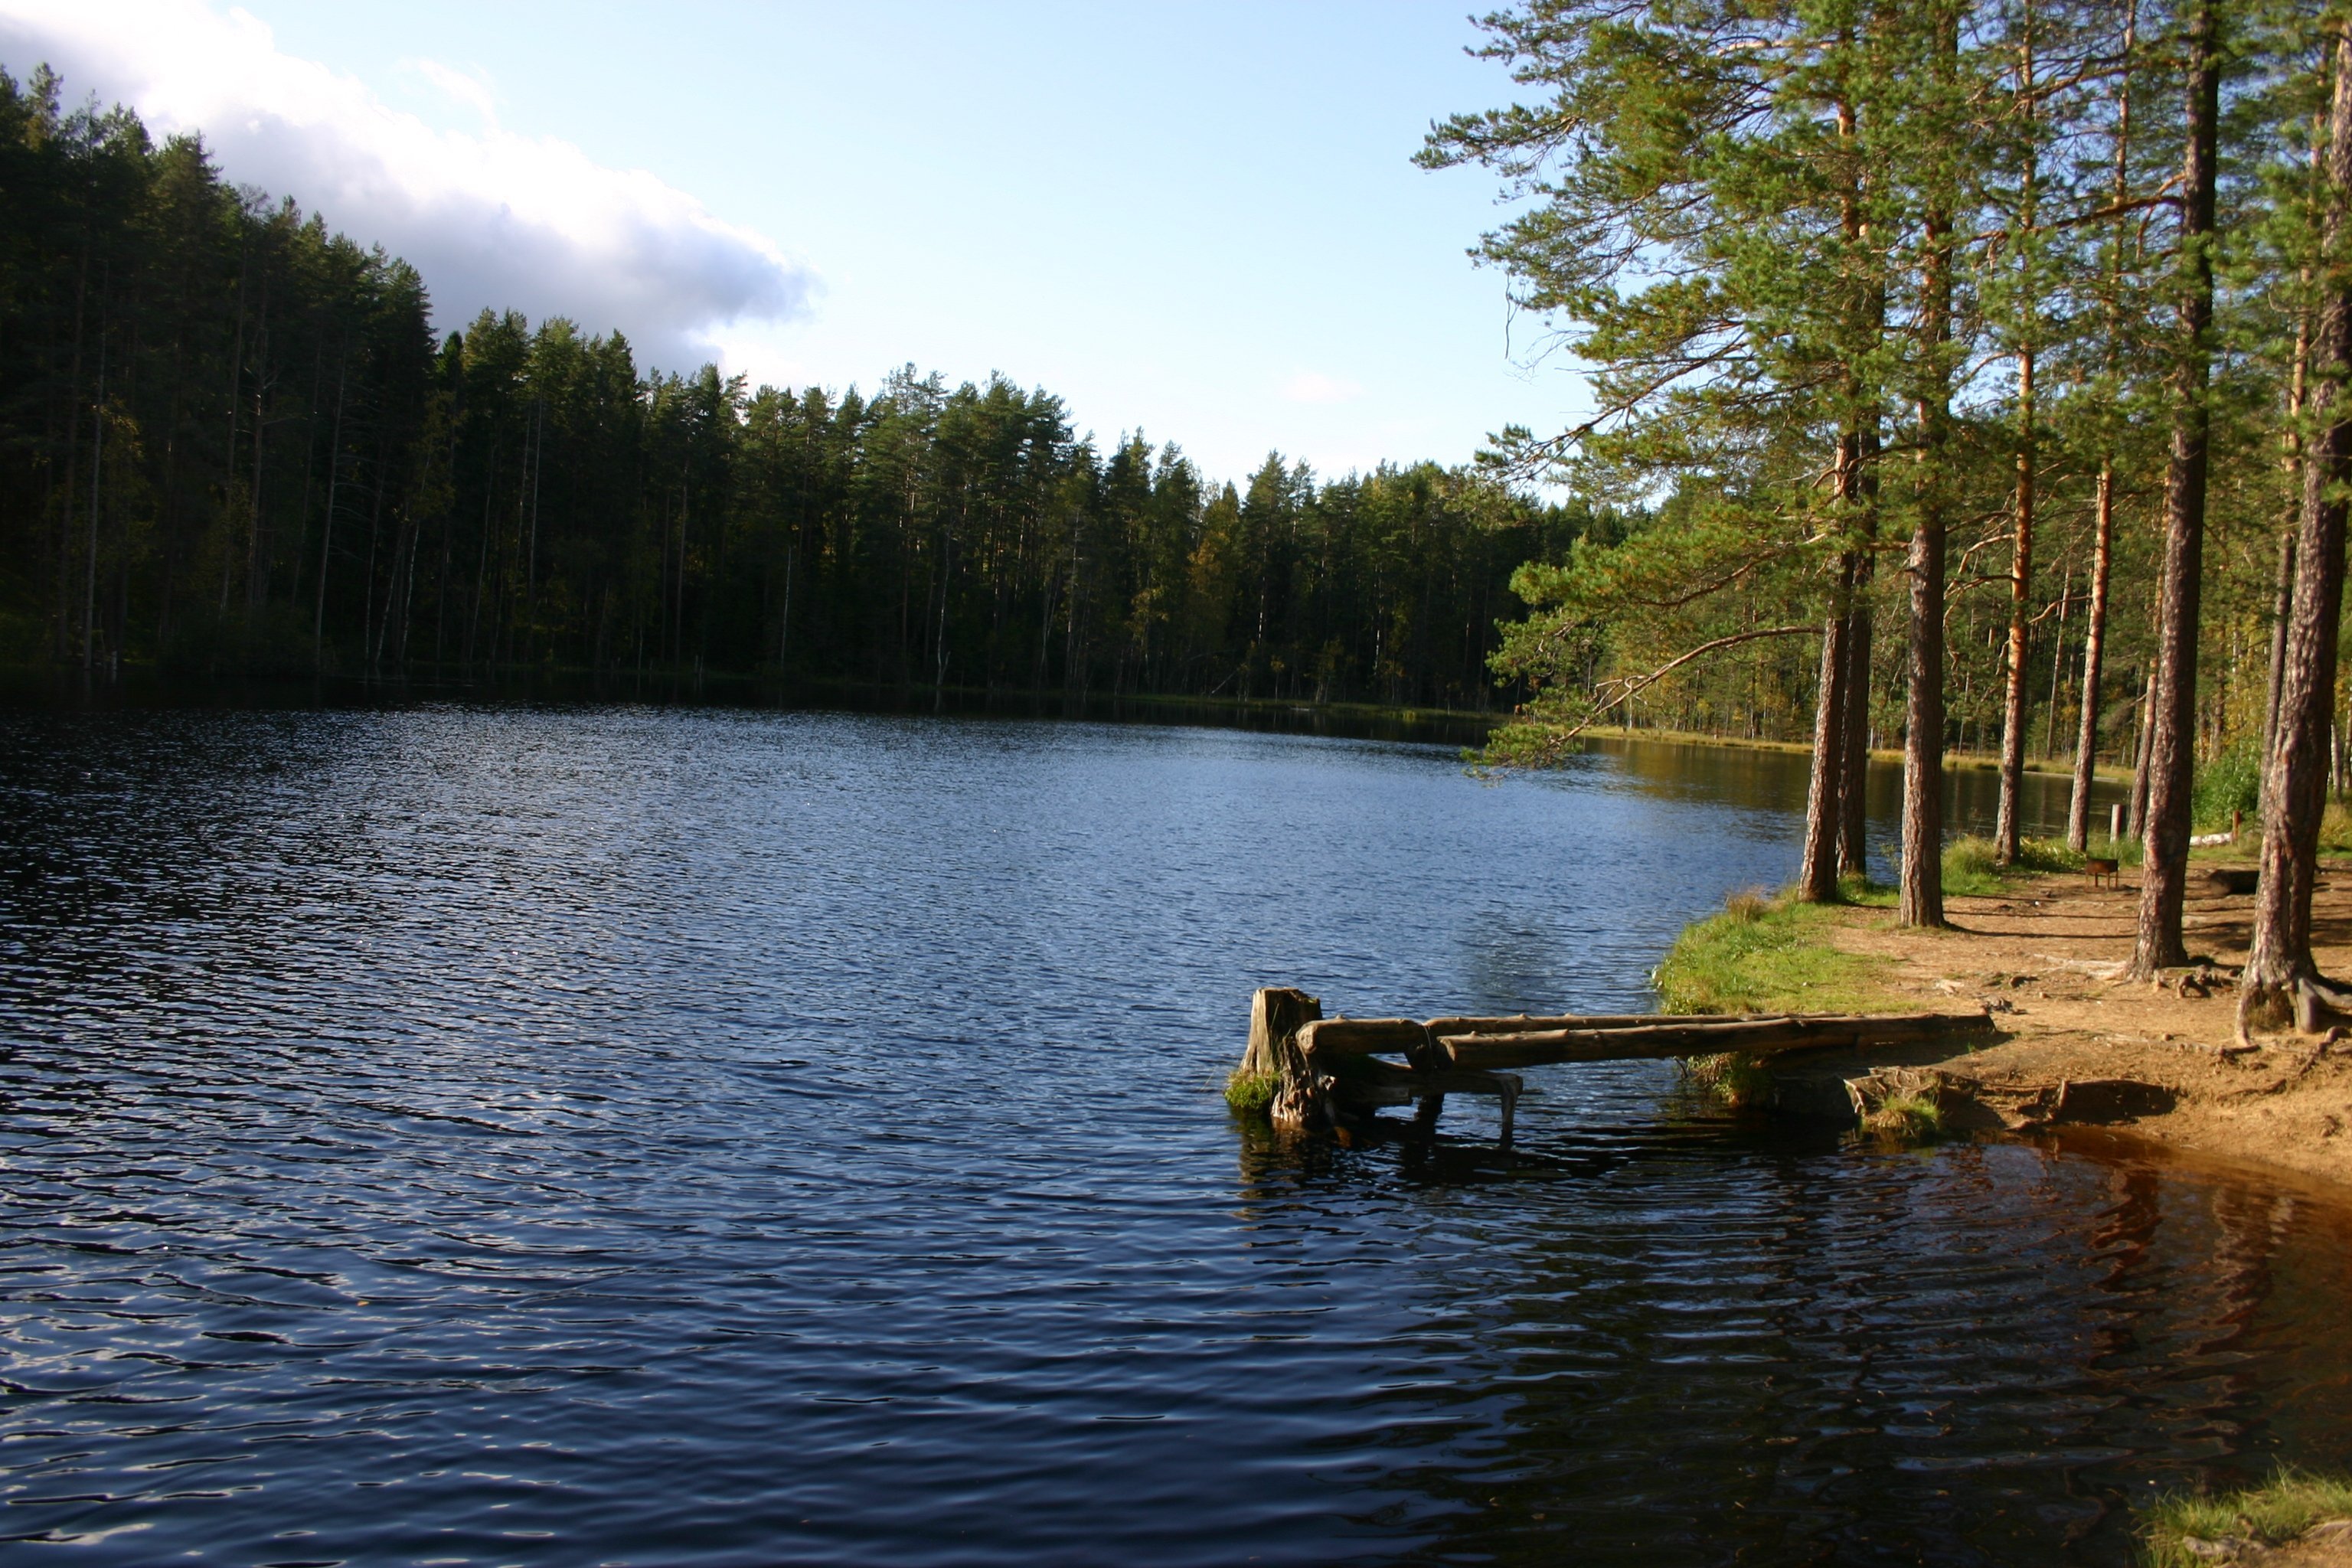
1701,1037
1523,1024
1443,1027
1328,1039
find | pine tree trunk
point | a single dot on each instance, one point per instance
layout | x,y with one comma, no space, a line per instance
2007,826
2008,830
2136,820
2295,768
1817,880
2281,610
1858,485
1921,896
2095,639
2171,755
1854,850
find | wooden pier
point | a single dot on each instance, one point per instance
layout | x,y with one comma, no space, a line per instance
1328,1073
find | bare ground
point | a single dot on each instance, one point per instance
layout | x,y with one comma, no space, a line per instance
2045,958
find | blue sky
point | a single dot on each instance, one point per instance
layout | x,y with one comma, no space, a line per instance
1197,219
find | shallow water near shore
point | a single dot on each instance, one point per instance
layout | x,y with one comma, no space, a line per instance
701,1136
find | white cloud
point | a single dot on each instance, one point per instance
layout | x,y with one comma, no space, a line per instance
459,88
1313,386
494,218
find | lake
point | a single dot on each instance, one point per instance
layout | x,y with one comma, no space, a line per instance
697,1136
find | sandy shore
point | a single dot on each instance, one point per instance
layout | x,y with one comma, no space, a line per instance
2046,958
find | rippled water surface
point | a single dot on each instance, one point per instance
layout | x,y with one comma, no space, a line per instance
705,1137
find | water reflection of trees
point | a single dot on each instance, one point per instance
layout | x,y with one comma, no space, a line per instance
1698,1342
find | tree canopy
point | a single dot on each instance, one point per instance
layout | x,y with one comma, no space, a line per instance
1957,363
233,441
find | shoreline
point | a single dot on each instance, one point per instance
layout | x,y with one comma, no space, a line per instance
23,684
1954,761
2076,1051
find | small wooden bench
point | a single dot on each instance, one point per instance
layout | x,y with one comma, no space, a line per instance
2110,870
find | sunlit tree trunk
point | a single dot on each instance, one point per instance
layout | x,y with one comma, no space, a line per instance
2171,753
2295,767
2094,637
1921,895
1825,795
2008,827
1853,851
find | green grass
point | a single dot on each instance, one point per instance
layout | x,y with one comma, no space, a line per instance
1910,1118
1971,866
1870,895
1251,1092
2292,1502
1738,1079
1766,954
2231,781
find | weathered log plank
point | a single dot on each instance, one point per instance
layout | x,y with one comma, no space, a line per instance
1329,1037
1443,1027
1701,1037
1523,1024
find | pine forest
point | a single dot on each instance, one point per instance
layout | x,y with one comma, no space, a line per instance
236,445
1965,376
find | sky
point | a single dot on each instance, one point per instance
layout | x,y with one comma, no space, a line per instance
1200,220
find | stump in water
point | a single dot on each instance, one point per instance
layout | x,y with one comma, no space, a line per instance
1277,1012
1277,1015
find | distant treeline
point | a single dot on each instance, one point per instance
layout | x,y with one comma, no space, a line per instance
232,442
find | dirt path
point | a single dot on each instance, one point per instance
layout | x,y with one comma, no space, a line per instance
2045,956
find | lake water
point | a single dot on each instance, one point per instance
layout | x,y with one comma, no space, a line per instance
666,1136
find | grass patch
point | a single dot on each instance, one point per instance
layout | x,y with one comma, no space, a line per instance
1250,1092
1909,1118
2270,1515
1766,954
2335,829
1735,1077
1869,895
1972,866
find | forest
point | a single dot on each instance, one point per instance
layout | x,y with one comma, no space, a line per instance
1963,374
1984,363
234,443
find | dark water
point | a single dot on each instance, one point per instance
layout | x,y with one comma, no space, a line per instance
694,1137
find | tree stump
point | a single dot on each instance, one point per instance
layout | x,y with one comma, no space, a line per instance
1277,1012
1301,1100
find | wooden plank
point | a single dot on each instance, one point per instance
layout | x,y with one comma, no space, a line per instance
1523,1024
1329,1037
1443,1027
1701,1037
